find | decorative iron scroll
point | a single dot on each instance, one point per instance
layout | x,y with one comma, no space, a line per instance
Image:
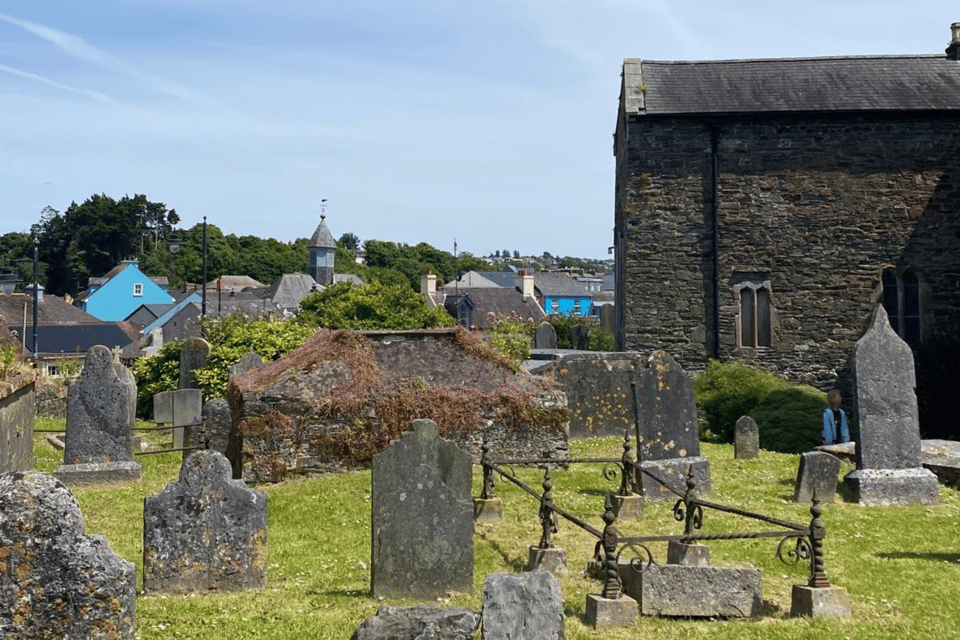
637,561
793,549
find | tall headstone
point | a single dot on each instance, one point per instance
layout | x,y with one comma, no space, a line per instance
817,475
888,447
422,516
56,582
528,605
667,431
546,336
205,532
193,355
746,439
580,337
101,406
608,318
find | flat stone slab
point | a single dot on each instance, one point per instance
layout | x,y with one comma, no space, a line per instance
893,486
421,621
98,473
942,457
528,605
694,592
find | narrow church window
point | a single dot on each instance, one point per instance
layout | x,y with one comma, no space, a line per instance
901,301
755,321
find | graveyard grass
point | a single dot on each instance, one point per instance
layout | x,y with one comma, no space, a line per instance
900,565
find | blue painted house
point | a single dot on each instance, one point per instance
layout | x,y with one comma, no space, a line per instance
121,291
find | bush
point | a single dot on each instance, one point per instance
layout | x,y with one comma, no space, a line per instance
725,392
512,337
790,420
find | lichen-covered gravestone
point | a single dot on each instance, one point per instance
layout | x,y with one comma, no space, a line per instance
746,439
817,476
888,447
101,406
527,605
206,532
669,436
56,582
422,516
217,424
193,355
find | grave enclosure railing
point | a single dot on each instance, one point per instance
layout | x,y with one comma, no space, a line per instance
798,542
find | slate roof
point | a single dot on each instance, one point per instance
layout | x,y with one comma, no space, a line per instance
79,337
51,309
840,84
554,283
475,280
322,238
289,290
498,301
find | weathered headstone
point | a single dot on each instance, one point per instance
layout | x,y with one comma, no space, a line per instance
546,336
888,447
97,445
56,582
193,355
420,621
669,437
249,360
205,532
817,475
580,337
422,516
608,318
746,439
216,420
528,605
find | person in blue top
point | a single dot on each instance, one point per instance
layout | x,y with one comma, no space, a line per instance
835,427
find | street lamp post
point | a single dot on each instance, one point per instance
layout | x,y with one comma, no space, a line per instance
36,295
174,244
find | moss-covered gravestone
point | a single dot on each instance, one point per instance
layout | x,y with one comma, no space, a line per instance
422,517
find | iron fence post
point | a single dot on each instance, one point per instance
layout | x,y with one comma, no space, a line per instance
612,586
818,578
626,478
548,520
689,496
487,491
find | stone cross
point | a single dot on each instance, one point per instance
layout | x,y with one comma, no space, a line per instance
746,439
206,532
422,516
56,582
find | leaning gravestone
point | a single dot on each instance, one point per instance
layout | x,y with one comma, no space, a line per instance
56,582
422,516
206,532
817,476
420,621
888,447
667,430
527,605
249,360
746,439
97,445
217,425
546,336
193,355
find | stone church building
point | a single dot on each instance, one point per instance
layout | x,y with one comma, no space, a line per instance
765,207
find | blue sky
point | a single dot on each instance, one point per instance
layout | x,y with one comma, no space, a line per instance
487,122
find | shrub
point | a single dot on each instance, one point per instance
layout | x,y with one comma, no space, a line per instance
725,392
790,420
512,337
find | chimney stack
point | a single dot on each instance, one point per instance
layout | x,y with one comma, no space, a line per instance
526,284
953,50
428,283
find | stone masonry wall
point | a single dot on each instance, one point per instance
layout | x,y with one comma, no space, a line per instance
818,207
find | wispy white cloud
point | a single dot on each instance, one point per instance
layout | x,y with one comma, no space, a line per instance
32,76
79,48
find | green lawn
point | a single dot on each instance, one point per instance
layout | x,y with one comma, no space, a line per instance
901,565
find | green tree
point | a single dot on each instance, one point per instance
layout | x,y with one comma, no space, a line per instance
350,242
369,307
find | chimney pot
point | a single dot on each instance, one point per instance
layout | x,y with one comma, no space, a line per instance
953,50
